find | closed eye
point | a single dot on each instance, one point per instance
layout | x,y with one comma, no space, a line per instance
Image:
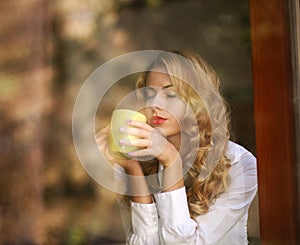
170,93
149,93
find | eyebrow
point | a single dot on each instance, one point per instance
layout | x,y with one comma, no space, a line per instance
167,86
164,87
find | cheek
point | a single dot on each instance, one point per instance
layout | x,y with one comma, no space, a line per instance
178,110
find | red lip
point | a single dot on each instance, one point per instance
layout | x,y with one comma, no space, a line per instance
158,120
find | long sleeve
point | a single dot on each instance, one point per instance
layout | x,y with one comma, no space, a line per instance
225,222
168,220
140,223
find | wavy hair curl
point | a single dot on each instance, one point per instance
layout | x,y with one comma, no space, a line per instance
201,192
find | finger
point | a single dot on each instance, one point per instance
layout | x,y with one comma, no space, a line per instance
100,139
139,153
101,146
140,133
102,131
107,154
141,143
138,124
102,142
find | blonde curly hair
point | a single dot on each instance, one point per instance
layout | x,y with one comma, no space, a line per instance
188,77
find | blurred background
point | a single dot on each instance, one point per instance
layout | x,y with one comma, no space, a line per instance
47,50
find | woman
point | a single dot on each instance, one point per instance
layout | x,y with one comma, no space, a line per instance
205,183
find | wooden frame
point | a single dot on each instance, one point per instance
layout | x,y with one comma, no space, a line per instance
273,78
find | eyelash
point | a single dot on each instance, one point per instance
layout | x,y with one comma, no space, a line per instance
169,94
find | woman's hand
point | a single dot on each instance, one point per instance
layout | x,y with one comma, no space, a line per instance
151,141
131,166
138,186
102,143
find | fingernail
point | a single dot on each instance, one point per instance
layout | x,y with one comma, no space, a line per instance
128,121
122,129
121,142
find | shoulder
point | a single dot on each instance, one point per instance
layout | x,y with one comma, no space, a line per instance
240,158
236,152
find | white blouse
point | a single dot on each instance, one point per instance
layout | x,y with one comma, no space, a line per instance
167,221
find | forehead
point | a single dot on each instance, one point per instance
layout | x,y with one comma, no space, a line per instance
158,79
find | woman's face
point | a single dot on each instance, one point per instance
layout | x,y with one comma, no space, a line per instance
164,108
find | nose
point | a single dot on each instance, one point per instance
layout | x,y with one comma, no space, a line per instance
158,101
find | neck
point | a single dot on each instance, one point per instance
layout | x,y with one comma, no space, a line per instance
175,140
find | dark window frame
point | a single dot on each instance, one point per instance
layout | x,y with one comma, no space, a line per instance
274,81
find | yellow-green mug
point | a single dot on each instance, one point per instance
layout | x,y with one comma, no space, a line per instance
119,119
